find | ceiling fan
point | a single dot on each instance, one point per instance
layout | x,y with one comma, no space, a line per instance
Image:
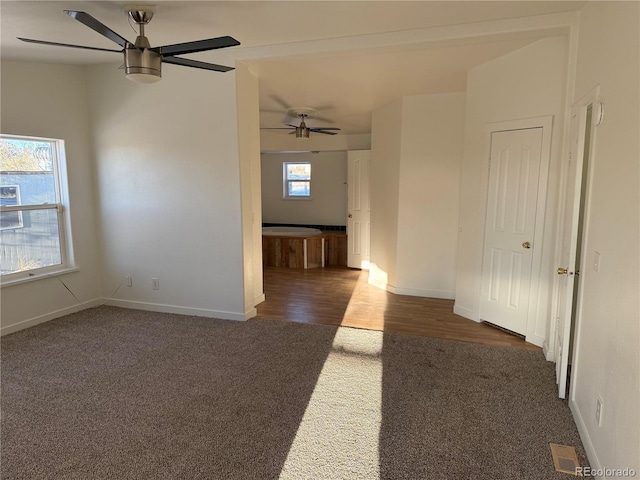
142,63
302,131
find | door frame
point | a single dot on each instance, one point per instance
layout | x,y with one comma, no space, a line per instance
546,123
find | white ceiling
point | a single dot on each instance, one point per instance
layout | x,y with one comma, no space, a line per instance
345,86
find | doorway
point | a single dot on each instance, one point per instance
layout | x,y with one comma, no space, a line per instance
359,209
518,165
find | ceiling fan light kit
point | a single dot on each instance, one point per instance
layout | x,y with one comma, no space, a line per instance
142,66
142,63
302,132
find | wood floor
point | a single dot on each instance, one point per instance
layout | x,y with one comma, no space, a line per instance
342,296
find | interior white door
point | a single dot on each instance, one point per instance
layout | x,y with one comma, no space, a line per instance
358,209
509,227
581,118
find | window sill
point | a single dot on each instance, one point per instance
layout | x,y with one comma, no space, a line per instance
297,198
40,276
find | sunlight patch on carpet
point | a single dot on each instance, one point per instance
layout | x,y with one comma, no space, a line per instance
339,432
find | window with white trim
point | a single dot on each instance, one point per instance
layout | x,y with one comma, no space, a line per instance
33,223
296,180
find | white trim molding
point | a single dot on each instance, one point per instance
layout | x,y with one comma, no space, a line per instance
465,312
50,316
418,292
159,307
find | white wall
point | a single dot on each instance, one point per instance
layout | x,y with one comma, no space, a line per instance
432,137
169,190
415,173
607,357
384,188
328,203
249,152
527,83
50,101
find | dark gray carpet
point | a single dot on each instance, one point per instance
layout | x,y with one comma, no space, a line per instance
124,394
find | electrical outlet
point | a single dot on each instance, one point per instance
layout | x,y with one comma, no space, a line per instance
596,262
599,406
129,281
155,284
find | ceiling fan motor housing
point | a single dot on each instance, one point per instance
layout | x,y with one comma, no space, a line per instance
302,131
143,62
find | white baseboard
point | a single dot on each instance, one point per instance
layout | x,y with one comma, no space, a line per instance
259,299
536,340
465,312
159,307
416,292
50,316
377,282
548,354
594,462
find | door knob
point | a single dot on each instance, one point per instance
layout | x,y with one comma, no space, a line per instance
526,245
562,271
350,216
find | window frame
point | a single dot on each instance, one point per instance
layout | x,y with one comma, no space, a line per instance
60,184
286,181
18,202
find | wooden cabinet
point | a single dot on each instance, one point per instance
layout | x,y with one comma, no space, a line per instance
329,249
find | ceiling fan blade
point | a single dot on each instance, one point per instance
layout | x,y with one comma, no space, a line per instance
280,102
186,62
275,128
323,119
198,46
56,44
94,24
322,131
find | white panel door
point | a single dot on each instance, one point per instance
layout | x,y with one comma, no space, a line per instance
358,209
509,227
581,119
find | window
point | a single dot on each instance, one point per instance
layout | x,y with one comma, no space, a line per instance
32,215
297,180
